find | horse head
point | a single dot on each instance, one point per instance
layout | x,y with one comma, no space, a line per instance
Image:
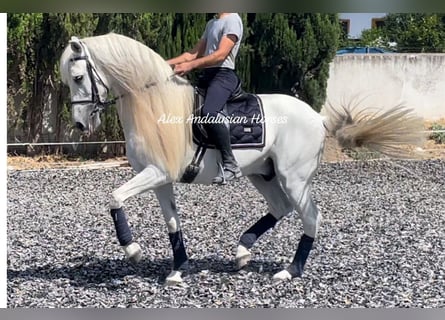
88,86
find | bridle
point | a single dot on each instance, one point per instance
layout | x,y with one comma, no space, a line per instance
100,104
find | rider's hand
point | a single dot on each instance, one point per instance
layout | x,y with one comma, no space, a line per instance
182,68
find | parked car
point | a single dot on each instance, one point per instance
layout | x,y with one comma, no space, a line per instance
362,50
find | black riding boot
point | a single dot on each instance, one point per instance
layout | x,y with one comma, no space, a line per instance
220,136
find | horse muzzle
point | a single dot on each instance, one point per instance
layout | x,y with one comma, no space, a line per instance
80,126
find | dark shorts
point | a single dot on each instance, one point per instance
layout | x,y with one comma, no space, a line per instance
220,83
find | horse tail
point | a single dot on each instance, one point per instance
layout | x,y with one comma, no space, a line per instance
392,132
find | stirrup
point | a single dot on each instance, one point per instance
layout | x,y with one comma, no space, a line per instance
227,174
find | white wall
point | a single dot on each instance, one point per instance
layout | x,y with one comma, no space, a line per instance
383,80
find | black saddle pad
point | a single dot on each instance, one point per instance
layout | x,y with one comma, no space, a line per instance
245,116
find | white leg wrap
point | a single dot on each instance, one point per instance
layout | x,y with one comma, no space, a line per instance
282,276
174,278
133,252
242,257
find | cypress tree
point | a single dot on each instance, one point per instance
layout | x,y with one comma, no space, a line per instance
294,51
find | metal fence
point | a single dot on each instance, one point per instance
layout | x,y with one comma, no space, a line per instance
100,149
76,143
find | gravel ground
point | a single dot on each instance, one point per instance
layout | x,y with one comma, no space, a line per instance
381,244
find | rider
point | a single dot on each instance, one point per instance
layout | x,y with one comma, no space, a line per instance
215,53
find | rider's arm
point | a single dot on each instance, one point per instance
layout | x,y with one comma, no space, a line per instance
196,52
225,46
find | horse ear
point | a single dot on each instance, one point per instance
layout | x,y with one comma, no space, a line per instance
75,45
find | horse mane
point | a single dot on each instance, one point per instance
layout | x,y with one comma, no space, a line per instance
148,87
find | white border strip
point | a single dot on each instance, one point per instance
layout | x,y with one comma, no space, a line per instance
3,135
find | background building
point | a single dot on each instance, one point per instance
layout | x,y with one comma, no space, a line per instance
355,23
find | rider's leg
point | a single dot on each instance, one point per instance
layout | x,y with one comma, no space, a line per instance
220,88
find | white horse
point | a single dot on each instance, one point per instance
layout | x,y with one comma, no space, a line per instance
159,151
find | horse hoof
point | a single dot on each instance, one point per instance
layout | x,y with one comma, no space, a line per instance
243,256
133,252
282,276
174,279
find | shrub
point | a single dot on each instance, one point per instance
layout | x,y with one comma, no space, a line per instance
438,137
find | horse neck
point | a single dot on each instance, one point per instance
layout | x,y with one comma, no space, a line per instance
148,92
156,142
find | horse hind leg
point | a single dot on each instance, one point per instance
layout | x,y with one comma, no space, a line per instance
310,218
298,187
279,206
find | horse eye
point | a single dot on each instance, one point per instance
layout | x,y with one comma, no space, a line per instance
78,79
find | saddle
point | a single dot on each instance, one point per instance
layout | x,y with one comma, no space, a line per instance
243,114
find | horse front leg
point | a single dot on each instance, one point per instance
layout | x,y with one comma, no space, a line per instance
167,202
149,178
